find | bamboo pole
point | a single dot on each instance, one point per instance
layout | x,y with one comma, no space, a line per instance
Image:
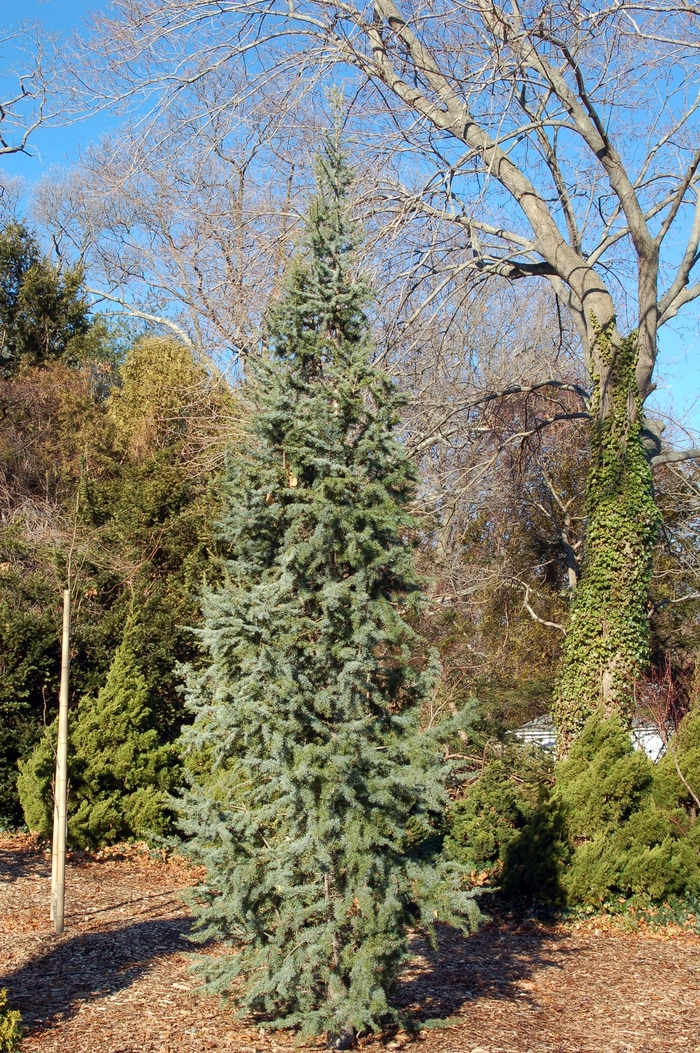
58,854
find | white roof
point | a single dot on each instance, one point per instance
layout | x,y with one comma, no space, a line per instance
542,732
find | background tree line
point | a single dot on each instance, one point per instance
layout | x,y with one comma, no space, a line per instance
110,454
113,445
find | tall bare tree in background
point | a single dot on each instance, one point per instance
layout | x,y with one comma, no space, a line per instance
187,228
190,229
501,480
554,141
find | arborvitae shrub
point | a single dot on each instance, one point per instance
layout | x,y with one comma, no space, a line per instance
671,792
119,775
485,822
315,798
498,804
131,482
603,780
537,857
614,827
623,844
506,828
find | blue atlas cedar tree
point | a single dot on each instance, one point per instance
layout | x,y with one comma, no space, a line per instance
314,796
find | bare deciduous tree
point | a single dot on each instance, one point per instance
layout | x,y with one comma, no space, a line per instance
186,221
559,141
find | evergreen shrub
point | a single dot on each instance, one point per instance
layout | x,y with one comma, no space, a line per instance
10,1026
680,791
119,774
29,660
614,826
486,821
130,482
623,845
499,803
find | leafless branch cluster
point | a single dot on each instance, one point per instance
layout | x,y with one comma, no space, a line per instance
189,230
28,80
521,141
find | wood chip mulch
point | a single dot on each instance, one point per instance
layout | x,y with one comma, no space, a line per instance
117,981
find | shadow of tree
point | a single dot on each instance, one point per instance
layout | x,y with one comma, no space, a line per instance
493,963
29,862
51,987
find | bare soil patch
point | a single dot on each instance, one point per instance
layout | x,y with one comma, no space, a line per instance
117,981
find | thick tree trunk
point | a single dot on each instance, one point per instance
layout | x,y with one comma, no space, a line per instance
607,645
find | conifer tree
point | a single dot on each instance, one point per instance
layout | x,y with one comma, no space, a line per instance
314,796
43,313
119,773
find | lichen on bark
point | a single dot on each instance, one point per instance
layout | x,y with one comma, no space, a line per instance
607,644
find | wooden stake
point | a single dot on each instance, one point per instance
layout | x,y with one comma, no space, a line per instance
58,855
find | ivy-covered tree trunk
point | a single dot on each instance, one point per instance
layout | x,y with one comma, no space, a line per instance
608,641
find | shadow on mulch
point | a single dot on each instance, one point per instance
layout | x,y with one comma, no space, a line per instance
490,964
91,965
30,861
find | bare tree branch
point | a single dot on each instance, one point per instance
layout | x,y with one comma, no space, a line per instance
673,456
28,87
535,616
135,312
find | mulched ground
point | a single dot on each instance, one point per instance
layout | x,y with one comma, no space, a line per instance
117,981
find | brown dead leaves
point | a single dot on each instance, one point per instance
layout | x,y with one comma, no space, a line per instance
118,981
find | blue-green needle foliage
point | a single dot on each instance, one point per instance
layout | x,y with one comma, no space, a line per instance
314,795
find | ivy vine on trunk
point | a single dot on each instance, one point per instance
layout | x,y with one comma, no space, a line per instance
608,641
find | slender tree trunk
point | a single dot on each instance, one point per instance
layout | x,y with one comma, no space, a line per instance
608,644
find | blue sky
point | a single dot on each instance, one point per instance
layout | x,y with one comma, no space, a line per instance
678,376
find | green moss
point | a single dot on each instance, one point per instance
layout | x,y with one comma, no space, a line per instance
608,641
